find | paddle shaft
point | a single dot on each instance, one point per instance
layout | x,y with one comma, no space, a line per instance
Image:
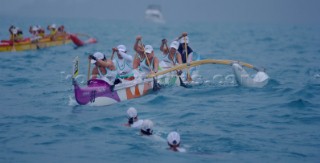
89,69
13,40
186,50
145,54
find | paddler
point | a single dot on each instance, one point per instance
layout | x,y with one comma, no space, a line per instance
184,47
146,65
104,69
53,31
19,35
140,56
133,120
13,33
40,31
123,63
34,33
171,57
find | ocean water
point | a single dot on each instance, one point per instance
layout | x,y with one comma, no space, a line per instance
219,121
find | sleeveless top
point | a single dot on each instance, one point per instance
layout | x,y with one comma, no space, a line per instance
168,62
124,70
144,67
109,77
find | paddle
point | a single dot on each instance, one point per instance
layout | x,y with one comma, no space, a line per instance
89,69
156,86
75,70
179,74
13,49
186,50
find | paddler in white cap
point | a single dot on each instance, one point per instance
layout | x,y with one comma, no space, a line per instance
171,57
184,47
123,63
146,65
104,68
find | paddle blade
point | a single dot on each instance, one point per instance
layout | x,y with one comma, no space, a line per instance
156,85
183,84
75,71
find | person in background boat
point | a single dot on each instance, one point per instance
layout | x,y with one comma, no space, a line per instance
41,31
104,69
61,30
171,57
19,35
34,33
173,140
123,63
53,31
13,33
146,127
183,47
133,120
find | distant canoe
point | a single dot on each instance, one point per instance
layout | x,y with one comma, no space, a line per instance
27,44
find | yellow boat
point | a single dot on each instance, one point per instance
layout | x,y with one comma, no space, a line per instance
26,44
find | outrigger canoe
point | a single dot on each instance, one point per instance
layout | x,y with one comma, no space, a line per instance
98,92
27,44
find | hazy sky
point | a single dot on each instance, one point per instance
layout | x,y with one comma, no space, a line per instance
229,11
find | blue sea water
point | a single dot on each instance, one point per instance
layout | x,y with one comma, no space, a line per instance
218,121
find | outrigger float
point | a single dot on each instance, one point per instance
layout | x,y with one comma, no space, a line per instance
99,92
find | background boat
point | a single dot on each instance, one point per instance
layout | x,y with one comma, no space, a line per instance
153,13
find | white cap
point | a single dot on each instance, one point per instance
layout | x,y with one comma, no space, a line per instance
174,44
148,49
14,30
34,28
184,38
132,112
53,26
122,48
173,138
98,55
147,124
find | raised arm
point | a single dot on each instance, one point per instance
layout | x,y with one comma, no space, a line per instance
184,34
137,47
164,47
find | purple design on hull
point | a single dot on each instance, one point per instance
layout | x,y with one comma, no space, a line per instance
96,88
